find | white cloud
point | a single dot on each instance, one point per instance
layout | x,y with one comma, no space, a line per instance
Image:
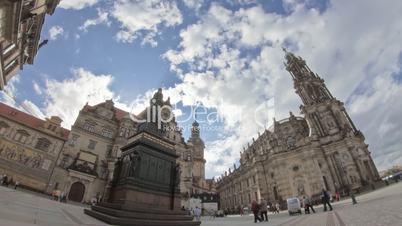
377,112
65,98
9,96
55,32
77,4
217,64
194,4
103,18
32,109
144,18
37,88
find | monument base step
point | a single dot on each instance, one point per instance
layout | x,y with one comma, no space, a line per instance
120,217
142,215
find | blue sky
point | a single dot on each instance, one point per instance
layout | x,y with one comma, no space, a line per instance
225,55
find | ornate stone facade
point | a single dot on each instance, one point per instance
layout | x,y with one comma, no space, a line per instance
301,155
20,28
89,156
29,147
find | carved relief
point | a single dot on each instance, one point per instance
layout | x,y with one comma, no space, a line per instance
26,157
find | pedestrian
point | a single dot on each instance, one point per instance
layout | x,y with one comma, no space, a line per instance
62,196
197,213
57,198
17,183
255,208
308,205
11,181
264,210
325,197
4,179
241,211
337,196
212,214
277,208
352,196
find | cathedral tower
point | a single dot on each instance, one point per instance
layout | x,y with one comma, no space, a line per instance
324,113
198,154
346,154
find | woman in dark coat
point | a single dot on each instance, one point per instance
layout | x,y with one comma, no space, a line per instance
255,208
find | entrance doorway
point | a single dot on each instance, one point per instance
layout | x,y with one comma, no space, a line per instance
77,191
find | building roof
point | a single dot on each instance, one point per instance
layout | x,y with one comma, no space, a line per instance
119,113
28,120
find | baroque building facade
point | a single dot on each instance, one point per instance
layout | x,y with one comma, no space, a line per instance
300,156
86,165
29,147
20,28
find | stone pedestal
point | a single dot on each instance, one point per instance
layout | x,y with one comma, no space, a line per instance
145,189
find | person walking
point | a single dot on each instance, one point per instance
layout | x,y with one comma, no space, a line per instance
353,197
4,179
264,210
277,208
17,183
197,213
308,204
241,211
326,200
255,208
337,196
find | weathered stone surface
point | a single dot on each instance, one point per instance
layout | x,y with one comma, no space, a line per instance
300,156
146,189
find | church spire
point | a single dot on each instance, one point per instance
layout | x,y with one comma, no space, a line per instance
309,86
195,130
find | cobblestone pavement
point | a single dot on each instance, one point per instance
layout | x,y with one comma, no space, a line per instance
382,207
26,209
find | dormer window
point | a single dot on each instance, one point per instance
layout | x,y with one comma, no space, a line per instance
43,144
21,136
51,127
3,127
291,142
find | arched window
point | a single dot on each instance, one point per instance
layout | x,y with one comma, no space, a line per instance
43,144
3,127
21,136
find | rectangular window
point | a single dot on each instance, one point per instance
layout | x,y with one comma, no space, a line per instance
254,179
89,127
91,144
10,65
3,17
107,133
43,144
73,140
8,48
